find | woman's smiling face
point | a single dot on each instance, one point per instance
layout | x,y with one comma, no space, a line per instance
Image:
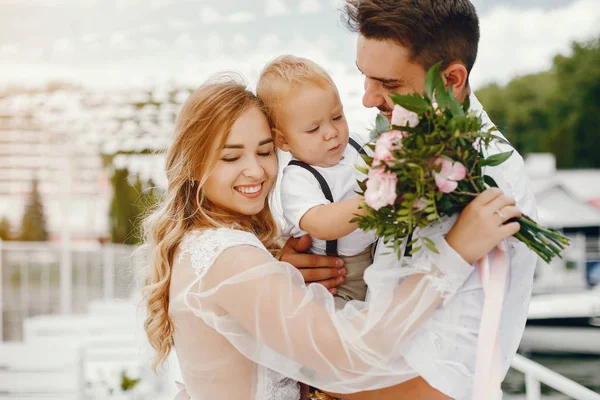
247,167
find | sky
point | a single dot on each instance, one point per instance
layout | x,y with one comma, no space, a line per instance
140,43
110,43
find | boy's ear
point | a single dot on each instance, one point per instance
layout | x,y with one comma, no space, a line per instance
456,75
280,140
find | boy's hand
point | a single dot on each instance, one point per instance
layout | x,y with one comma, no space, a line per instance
325,270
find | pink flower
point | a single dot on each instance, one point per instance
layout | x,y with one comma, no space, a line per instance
381,188
448,177
386,143
402,117
420,204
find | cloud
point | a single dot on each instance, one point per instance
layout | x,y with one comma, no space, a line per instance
241,17
516,41
239,42
153,44
158,4
275,8
184,42
149,28
209,15
121,41
90,38
63,45
309,7
214,44
177,24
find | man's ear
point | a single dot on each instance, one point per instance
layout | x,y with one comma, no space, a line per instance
280,140
456,75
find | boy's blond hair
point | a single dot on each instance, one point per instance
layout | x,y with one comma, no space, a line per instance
281,76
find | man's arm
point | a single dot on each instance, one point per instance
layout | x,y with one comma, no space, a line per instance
325,270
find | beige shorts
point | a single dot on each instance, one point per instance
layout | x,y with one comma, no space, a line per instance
354,286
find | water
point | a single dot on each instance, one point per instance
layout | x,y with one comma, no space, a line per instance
584,370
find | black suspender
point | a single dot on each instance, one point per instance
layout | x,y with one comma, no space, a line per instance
331,245
357,146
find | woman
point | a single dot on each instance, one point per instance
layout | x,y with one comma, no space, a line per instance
244,324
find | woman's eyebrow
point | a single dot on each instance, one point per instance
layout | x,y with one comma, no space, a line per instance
241,146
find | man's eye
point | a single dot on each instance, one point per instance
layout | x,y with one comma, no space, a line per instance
390,87
313,130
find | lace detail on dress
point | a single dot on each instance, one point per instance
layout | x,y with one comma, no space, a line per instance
275,386
204,246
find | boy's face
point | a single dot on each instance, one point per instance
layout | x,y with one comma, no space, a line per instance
387,69
313,126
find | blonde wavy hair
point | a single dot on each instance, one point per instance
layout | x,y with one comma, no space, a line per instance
282,76
201,131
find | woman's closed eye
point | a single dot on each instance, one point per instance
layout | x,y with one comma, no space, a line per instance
265,153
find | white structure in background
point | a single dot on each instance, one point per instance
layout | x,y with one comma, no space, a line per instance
41,133
38,139
565,201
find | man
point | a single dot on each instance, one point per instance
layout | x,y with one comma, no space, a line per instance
399,40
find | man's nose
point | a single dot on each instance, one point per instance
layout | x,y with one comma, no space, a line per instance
372,96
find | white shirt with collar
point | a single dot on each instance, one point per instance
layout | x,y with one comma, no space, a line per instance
300,191
443,349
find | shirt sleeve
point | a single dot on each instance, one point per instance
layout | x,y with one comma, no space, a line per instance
300,191
264,309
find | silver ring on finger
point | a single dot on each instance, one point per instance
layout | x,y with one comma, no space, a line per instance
500,214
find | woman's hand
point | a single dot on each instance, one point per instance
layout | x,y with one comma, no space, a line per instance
481,225
325,270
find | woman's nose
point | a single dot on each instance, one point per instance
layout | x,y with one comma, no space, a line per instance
253,168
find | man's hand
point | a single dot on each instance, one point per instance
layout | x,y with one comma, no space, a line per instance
325,270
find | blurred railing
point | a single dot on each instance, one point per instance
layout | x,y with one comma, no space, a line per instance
44,278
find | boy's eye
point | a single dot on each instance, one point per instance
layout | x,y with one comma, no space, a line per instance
338,117
313,130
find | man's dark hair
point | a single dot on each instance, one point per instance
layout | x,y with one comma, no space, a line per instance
431,30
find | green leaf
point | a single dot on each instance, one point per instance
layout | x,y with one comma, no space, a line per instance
381,124
455,106
412,102
490,181
441,95
466,104
361,169
414,250
430,245
430,79
496,159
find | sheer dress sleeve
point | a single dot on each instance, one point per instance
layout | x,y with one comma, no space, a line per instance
265,310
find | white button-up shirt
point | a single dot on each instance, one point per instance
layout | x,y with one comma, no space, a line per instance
443,349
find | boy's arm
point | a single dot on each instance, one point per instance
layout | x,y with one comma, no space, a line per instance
332,221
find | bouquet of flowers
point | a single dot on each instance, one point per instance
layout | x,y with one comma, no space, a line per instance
428,164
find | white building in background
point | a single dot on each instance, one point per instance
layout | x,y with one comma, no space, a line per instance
567,200
67,172
60,137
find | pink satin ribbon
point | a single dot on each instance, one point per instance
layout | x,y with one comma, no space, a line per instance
488,365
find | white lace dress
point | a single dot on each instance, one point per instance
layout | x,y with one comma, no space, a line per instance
247,327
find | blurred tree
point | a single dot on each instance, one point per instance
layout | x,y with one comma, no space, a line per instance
131,201
576,137
33,226
4,229
556,111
